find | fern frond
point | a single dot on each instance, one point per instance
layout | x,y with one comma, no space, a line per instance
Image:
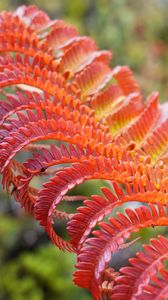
97,208
136,281
99,249
159,287
97,126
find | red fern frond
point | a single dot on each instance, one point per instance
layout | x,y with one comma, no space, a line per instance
99,249
80,119
157,289
135,281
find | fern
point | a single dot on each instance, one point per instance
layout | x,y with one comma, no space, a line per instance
62,89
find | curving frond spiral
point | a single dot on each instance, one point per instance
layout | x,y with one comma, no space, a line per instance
80,119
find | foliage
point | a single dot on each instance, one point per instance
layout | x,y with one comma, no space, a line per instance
28,272
44,268
136,32
97,126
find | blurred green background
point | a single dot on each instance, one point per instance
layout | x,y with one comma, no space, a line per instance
137,33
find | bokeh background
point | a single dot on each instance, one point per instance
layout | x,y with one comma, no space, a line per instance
137,33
